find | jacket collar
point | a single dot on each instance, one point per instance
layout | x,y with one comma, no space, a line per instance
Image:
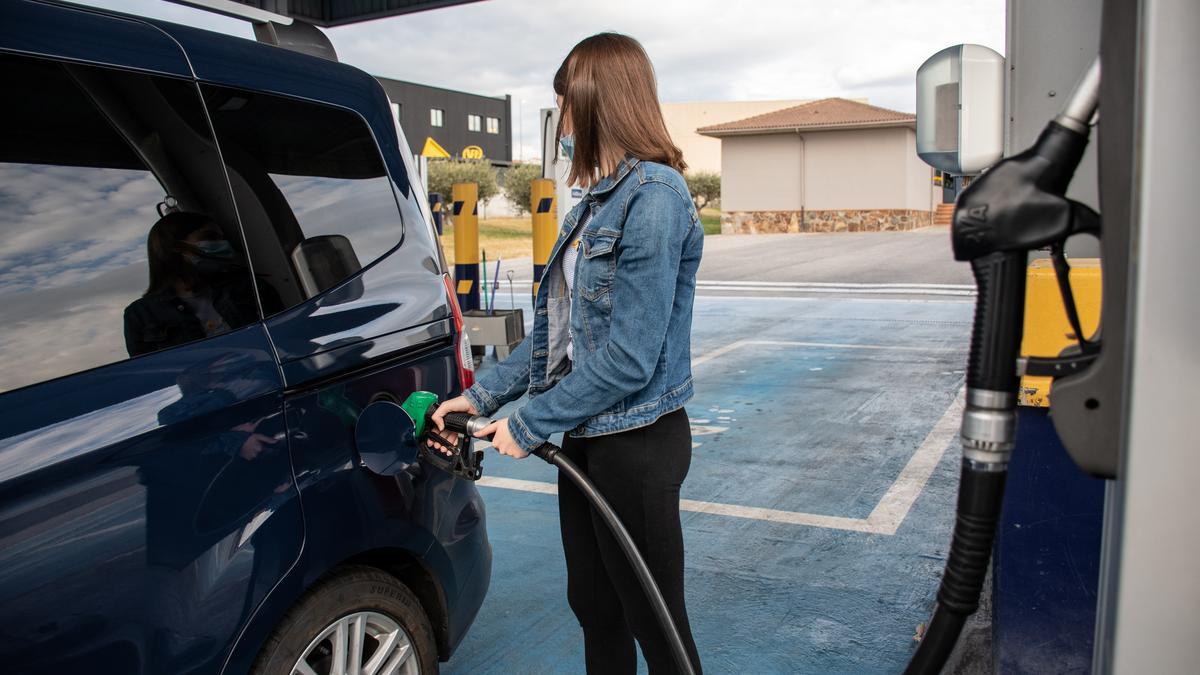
606,184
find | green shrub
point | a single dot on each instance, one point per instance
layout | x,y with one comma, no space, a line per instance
444,173
705,187
516,184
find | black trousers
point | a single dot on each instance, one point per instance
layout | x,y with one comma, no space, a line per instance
639,472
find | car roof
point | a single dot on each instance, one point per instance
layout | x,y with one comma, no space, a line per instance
233,61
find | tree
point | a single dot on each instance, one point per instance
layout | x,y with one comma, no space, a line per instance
705,187
516,184
444,173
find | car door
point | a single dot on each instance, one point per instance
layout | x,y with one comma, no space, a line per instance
362,316
147,504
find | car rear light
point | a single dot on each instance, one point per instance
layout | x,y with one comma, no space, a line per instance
462,344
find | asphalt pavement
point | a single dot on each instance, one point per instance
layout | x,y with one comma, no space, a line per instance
918,256
817,512
901,265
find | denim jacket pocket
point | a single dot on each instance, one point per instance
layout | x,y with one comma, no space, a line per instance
598,245
598,266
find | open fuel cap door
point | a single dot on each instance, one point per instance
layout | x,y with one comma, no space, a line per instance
386,439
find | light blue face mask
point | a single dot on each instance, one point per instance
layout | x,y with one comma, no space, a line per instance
567,143
217,248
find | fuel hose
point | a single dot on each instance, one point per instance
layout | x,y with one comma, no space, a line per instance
1015,207
464,423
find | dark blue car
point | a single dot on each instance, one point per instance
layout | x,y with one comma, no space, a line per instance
214,255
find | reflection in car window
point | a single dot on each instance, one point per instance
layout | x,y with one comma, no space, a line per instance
86,156
313,196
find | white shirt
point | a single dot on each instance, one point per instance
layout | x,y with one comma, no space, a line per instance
569,260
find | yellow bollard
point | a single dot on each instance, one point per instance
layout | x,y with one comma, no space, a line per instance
545,226
465,209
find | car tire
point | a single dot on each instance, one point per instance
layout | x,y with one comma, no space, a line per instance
365,606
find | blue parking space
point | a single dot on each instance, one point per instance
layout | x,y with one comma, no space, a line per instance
817,510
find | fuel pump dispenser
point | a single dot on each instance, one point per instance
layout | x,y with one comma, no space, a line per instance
1015,207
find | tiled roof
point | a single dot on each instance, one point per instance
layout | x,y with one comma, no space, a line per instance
826,113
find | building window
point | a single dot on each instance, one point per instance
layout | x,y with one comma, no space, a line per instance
493,125
436,116
473,123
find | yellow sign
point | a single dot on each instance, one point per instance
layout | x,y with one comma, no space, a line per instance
432,149
464,286
472,152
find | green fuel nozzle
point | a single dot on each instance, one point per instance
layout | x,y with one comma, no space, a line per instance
420,405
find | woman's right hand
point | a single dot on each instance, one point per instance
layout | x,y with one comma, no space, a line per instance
456,404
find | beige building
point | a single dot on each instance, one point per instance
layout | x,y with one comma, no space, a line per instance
703,153
823,166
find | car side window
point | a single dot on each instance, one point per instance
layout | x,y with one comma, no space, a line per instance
119,235
314,198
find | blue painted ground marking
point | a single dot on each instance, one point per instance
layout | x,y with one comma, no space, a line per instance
811,429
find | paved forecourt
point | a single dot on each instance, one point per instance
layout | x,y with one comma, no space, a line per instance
818,506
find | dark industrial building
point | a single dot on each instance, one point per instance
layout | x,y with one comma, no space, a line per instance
438,122
457,121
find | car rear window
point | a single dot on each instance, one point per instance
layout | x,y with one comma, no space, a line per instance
91,160
312,192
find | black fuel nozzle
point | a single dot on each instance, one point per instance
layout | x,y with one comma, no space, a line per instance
463,461
1017,206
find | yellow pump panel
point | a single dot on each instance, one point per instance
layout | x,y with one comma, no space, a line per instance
1047,331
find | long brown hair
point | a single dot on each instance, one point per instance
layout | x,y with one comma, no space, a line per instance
609,93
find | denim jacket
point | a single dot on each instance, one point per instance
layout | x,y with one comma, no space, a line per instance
635,279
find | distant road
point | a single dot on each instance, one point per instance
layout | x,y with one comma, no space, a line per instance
916,257
916,265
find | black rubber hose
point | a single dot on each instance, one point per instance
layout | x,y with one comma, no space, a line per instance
980,496
552,454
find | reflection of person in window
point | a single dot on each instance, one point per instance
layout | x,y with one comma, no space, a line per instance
198,286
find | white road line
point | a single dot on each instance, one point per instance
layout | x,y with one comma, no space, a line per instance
518,484
721,351
732,510
962,290
837,291
885,518
814,284
891,510
835,284
801,298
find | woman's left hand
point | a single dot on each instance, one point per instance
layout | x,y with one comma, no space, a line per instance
501,439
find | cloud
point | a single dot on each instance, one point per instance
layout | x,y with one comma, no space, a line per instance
702,49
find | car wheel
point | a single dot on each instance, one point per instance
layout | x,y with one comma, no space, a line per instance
360,621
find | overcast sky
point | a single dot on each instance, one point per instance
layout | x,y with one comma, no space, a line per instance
701,49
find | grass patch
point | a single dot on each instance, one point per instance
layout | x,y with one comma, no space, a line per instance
501,237
511,238
711,220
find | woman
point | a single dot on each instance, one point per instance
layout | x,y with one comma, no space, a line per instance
198,287
609,358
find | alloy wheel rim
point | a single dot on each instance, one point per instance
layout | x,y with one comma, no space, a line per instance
363,643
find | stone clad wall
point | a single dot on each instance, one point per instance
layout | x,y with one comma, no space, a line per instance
839,220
